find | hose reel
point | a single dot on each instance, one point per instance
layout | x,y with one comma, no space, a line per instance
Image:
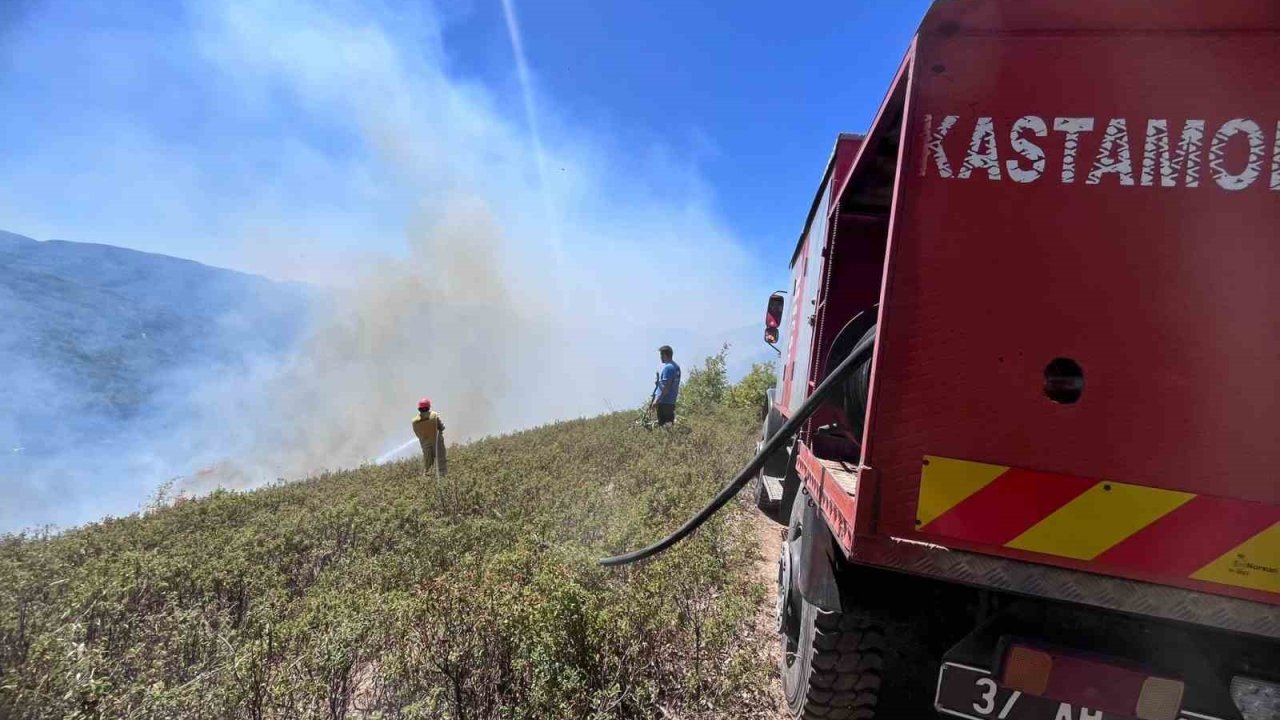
851,398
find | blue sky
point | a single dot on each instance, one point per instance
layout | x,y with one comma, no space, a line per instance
753,93
123,124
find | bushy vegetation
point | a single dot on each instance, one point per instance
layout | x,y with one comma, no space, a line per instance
749,393
708,386
378,593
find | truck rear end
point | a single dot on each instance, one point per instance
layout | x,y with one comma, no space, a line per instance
1052,491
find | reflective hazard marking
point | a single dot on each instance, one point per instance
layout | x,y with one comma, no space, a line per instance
1099,519
1255,564
1120,527
946,482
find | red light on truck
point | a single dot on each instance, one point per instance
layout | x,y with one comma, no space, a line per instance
1027,670
1101,685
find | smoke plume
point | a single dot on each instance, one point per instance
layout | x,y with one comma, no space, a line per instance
513,279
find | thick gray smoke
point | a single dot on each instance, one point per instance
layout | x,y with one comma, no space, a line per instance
513,280
443,322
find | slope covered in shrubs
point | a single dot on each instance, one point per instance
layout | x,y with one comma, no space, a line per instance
378,593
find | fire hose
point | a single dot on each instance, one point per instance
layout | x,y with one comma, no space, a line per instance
860,353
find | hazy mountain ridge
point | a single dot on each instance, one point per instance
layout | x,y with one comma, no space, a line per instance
91,332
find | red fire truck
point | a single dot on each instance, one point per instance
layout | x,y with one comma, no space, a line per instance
1048,485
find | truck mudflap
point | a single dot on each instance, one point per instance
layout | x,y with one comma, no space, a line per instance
1033,662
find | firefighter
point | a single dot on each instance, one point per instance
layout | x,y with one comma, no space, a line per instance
429,428
666,387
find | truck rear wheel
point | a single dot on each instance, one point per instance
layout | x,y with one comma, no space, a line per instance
831,661
832,669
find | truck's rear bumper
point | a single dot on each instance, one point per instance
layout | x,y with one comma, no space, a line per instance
1073,586
846,495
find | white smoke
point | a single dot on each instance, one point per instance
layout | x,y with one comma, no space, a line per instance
515,279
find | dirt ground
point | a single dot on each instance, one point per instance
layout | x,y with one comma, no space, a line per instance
770,544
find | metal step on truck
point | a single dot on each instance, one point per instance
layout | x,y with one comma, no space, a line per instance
1048,488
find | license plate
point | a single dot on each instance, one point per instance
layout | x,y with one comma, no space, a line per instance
972,693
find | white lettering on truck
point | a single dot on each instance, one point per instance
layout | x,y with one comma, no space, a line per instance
1237,151
1275,161
1071,145
1156,150
982,151
1113,155
1252,169
933,141
1028,149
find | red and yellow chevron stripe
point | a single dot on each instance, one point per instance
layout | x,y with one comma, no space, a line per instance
1116,527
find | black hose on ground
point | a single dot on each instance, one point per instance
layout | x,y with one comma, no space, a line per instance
860,352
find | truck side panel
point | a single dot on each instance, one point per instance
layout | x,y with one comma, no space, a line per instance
805,273
1112,199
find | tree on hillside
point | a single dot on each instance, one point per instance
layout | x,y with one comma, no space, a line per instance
709,386
749,392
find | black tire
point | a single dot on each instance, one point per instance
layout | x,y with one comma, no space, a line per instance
770,510
835,671
758,494
875,659
832,662
761,498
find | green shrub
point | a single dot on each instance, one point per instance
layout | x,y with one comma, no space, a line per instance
749,393
707,384
375,593
709,387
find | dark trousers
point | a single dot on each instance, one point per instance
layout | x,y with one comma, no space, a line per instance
666,413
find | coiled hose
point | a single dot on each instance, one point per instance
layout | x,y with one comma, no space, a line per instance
853,401
861,352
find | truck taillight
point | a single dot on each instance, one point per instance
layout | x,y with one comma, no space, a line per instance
1256,699
1112,688
1161,699
1027,669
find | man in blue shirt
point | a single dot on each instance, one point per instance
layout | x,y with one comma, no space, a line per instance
666,388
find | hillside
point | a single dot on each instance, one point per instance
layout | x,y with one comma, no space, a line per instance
92,333
374,593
